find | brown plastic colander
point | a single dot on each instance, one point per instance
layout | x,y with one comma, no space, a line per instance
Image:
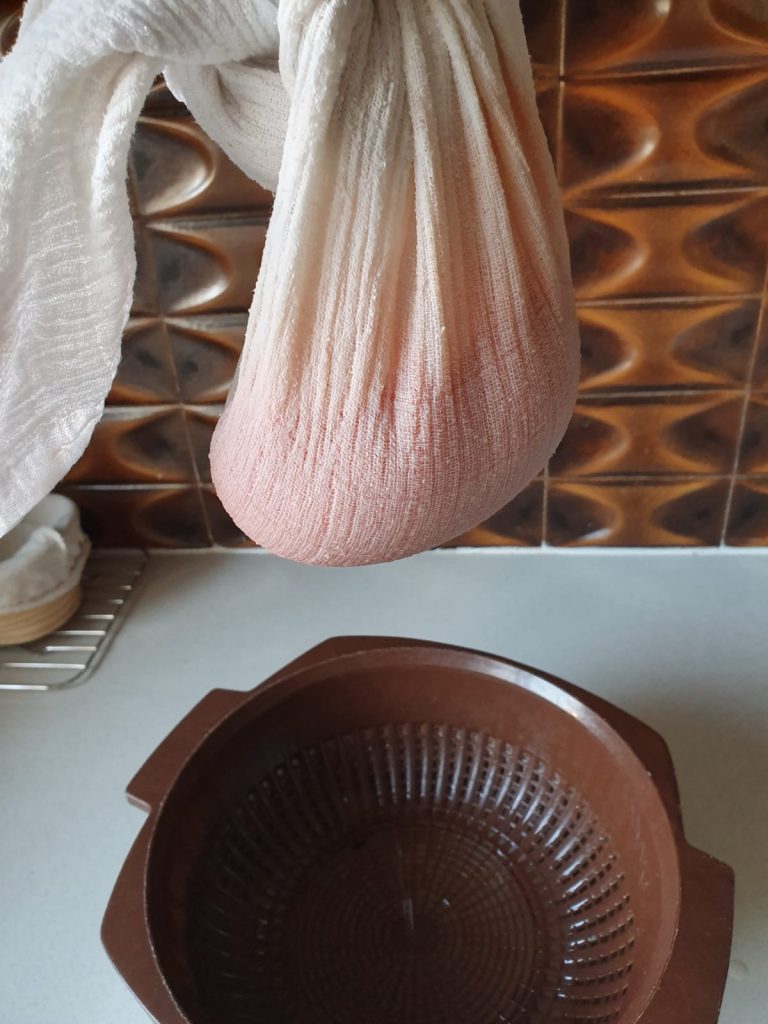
396,832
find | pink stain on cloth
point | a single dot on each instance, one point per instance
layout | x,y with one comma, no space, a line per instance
411,358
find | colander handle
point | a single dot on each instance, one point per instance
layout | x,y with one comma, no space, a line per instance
649,747
692,987
124,936
151,783
153,780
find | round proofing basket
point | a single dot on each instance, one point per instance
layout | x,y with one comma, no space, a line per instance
395,831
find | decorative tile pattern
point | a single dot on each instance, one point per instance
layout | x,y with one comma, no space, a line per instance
205,352
646,511
223,530
146,375
748,519
204,266
518,523
703,130
668,246
648,433
137,444
200,426
608,37
656,114
145,517
177,170
753,457
667,345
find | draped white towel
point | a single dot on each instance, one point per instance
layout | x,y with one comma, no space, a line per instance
411,356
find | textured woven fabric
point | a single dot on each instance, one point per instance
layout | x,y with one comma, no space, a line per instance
411,355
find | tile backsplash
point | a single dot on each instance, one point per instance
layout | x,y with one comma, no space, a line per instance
657,117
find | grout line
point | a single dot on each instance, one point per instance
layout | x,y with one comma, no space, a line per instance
193,320
188,485
611,195
123,410
559,141
194,483
630,479
560,100
188,435
563,30
622,301
709,392
205,409
593,393
206,519
247,217
659,392
169,352
754,64
761,320
198,483
579,199
666,477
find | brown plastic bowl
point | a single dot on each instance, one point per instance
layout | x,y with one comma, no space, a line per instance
401,832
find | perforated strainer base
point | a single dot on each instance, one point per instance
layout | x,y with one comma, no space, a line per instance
416,873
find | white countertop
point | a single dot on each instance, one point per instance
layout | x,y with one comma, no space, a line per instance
679,639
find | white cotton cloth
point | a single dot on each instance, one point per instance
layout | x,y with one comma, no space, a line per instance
411,355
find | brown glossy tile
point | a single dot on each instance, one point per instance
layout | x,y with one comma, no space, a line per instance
604,35
753,457
704,435
642,434
636,513
205,265
145,298
205,352
136,445
606,256
748,519
201,423
690,345
518,524
146,375
696,513
669,246
543,20
177,169
145,517
223,530
161,101
10,17
746,18
668,131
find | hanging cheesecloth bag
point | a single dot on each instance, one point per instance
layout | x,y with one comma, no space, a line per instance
411,356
